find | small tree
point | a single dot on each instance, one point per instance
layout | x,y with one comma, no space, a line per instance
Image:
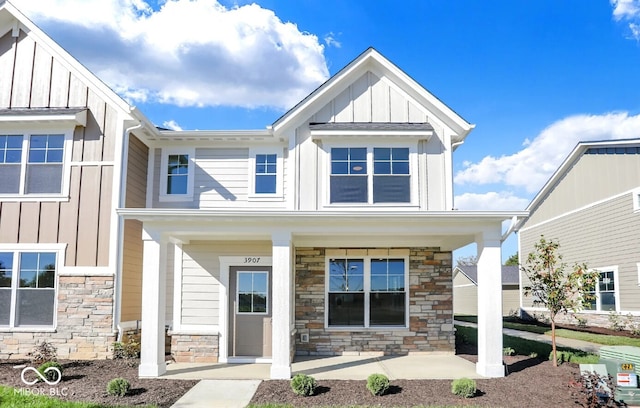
554,289
513,260
470,260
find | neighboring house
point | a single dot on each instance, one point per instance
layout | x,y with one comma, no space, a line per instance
591,206
61,143
329,232
465,290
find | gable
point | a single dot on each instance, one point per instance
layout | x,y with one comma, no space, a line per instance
595,174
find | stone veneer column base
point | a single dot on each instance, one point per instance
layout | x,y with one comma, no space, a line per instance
192,348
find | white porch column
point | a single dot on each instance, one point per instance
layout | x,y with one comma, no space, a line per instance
281,304
490,303
154,268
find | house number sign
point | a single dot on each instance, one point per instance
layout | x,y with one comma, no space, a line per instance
251,260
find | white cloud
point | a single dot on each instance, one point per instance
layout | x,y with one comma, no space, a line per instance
629,12
331,41
491,201
171,124
189,52
532,166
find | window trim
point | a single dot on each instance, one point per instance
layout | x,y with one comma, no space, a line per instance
367,292
412,145
616,291
279,194
39,129
164,173
17,249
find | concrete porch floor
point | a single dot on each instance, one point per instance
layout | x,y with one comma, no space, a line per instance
349,367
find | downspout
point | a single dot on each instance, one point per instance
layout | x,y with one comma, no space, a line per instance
123,188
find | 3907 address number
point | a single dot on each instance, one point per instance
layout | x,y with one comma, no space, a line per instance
251,260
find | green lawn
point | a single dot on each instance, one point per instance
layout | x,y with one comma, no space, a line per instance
14,398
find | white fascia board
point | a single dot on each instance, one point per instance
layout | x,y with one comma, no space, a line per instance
411,134
71,119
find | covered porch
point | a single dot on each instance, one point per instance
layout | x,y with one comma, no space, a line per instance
279,234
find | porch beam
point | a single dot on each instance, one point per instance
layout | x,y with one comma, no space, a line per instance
281,304
490,303
154,268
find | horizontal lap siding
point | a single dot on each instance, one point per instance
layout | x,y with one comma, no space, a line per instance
604,235
32,77
201,276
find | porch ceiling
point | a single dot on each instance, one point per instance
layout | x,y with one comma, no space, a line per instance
447,230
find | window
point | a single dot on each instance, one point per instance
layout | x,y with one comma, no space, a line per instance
605,293
366,292
177,175
266,174
253,289
27,288
352,180
32,164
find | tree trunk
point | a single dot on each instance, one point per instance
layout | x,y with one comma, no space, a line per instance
553,341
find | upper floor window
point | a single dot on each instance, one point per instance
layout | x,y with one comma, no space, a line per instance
370,175
266,173
27,288
32,164
176,183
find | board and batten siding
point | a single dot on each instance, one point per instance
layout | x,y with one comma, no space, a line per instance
592,178
33,78
605,234
201,276
135,197
221,179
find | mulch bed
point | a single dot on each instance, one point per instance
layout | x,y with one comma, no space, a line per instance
87,381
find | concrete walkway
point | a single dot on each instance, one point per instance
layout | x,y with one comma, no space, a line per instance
219,394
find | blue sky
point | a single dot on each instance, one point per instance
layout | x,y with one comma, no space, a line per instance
535,76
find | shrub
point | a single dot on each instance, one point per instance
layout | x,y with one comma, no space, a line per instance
582,322
126,351
596,390
303,384
615,322
508,351
464,387
50,375
378,384
118,387
43,352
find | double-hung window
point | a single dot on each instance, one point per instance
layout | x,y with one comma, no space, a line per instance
367,292
32,164
28,288
266,173
176,183
604,292
372,175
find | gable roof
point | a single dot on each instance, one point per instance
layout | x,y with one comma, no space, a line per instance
371,59
577,152
510,274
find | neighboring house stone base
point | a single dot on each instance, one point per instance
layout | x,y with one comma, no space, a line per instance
187,348
85,322
430,307
603,319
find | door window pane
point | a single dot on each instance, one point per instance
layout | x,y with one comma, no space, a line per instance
253,289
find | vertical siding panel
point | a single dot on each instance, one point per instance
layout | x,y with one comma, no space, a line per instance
137,163
69,218
324,114
40,86
29,219
77,92
379,100
361,100
110,134
22,73
398,108
88,211
416,115
94,132
49,213
6,69
9,222
131,270
342,103
59,86
78,144
104,221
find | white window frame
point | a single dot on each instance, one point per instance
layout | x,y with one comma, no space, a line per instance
164,174
367,292
17,249
26,133
279,194
616,291
412,145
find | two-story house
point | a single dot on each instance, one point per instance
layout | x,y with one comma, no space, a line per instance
329,232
